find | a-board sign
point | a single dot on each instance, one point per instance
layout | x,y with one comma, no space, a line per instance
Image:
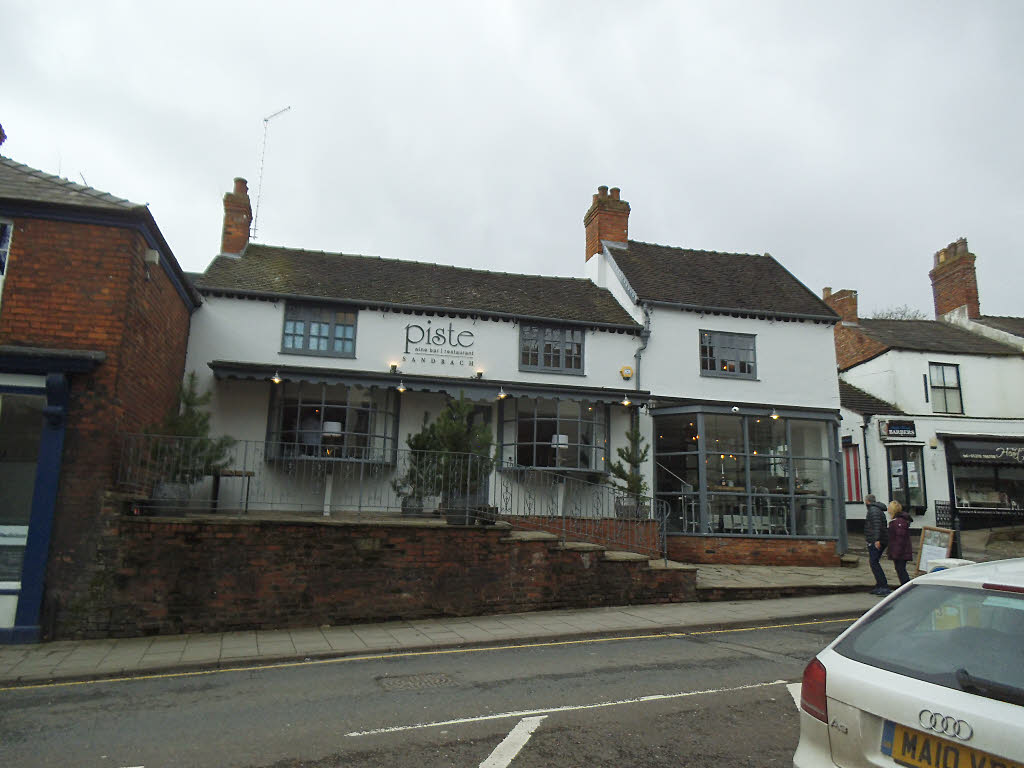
936,544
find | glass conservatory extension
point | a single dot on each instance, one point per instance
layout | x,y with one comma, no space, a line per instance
750,475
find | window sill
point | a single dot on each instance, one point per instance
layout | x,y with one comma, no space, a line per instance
738,376
562,371
310,353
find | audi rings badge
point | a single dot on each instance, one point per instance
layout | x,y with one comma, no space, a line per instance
945,724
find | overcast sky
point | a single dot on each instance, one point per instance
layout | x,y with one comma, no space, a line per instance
849,140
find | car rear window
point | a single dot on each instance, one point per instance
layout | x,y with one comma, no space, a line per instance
951,636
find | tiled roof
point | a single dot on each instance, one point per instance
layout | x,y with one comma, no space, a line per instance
863,403
932,336
1014,325
24,184
741,282
270,270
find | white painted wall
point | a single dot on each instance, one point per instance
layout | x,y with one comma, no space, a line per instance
991,386
933,454
796,361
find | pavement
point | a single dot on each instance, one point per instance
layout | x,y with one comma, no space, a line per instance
771,595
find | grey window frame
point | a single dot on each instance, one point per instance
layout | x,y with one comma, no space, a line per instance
519,411
567,335
940,390
726,340
296,312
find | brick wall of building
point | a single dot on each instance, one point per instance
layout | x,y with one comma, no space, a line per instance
752,551
854,347
85,286
165,575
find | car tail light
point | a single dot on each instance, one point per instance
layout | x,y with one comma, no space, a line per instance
812,691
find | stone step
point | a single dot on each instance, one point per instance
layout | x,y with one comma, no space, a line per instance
849,561
620,556
530,536
669,565
582,546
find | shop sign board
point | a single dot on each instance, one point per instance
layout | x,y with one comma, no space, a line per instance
892,428
438,345
989,452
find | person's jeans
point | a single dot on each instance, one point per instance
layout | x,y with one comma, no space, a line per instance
874,557
901,570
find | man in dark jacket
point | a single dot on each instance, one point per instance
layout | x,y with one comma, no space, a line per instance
876,534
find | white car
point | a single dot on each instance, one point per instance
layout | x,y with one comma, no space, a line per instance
931,677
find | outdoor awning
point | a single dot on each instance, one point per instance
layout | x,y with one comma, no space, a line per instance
994,451
480,389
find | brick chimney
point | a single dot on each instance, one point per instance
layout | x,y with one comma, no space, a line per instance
237,218
844,302
954,282
607,219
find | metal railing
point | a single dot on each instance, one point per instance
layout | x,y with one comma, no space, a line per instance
190,476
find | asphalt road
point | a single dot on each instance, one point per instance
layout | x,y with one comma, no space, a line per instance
708,699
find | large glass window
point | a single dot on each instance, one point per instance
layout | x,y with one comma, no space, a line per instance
995,486
752,475
313,330
21,424
727,354
906,476
945,385
541,432
333,422
543,348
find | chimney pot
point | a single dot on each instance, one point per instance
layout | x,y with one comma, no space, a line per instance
954,280
826,292
607,219
237,218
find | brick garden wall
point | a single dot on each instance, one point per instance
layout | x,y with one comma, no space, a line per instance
740,550
168,576
85,286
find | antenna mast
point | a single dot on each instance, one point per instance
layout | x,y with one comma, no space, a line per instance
263,153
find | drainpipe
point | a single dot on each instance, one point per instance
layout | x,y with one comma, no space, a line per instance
864,442
645,336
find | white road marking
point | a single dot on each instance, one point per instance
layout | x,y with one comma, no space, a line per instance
794,691
567,708
506,752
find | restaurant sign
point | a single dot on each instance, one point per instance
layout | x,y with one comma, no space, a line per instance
438,345
891,428
988,452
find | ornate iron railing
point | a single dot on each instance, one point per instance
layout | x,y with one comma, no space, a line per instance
173,475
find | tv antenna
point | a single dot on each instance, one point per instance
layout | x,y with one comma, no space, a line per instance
263,153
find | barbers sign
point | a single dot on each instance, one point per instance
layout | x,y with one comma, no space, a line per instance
438,344
892,428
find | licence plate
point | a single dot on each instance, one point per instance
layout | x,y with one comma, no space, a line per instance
922,750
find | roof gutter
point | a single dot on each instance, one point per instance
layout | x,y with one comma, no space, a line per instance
832,319
419,308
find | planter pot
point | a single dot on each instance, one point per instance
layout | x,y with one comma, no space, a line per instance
170,497
412,507
460,516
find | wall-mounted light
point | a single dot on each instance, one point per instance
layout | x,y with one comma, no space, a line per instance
775,414
626,401
276,378
502,394
479,374
394,367
401,386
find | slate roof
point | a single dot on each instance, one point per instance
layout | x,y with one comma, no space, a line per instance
24,184
861,402
741,282
932,336
1014,325
269,270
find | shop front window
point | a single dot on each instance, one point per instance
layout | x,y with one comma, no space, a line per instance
989,487
21,422
906,477
566,434
333,422
761,476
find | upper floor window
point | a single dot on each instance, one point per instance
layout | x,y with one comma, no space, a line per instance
727,354
544,348
945,384
314,330
6,229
